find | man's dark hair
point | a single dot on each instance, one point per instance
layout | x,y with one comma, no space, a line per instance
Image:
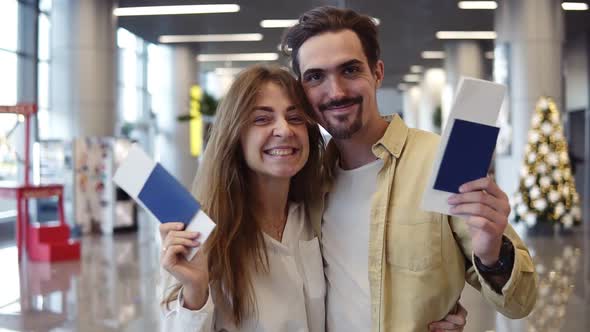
331,19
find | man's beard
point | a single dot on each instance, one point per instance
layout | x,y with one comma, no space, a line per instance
343,131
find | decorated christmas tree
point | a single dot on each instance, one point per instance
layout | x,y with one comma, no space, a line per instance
547,192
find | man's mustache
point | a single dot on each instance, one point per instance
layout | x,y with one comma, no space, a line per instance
340,102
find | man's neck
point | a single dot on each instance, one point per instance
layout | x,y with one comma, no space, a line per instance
357,150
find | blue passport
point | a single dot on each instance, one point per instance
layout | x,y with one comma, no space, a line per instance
467,156
155,189
167,199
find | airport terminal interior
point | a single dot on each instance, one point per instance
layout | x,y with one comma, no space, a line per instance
82,81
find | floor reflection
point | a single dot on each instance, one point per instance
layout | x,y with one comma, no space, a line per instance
563,301
556,285
113,288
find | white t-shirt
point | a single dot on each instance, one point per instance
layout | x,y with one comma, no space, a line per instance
290,298
345,247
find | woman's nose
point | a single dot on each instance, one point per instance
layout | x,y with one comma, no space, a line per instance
282,128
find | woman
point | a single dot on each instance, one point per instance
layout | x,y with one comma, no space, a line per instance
261,269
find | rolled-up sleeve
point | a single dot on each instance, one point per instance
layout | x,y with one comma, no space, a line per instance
519,294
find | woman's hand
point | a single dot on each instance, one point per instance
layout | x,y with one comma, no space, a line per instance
193,274
454,321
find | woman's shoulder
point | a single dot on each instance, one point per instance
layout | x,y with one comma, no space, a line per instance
299,216
297,212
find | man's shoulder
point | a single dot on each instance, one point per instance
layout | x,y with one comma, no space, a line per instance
422,136
421,142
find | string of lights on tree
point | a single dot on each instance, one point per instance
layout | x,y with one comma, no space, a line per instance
547,192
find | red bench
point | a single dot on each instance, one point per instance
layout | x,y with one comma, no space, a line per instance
43,242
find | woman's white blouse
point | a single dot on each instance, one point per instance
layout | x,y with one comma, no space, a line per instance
290,298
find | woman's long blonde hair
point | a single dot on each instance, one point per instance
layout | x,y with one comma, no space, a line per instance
236,247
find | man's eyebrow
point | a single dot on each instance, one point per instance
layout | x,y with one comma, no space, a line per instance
350,63
312,71
342,65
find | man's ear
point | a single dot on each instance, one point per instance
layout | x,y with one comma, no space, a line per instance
379,72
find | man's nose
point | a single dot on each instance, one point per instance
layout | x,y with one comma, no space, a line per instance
336,89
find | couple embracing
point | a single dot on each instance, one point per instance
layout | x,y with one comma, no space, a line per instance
312,237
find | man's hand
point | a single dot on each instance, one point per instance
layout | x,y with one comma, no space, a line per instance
452,322
487,208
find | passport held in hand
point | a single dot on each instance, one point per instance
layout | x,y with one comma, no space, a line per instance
468,155
156,190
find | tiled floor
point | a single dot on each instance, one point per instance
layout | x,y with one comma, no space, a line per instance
113,288
563,303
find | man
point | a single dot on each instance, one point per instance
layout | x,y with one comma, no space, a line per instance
389,265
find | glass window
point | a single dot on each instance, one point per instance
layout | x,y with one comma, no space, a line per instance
9,25
8,78
7,122
44,37
44,68
155,61
129,84
159,58
43,99
45,5
43,81
43,122
131,77
129,69
126,39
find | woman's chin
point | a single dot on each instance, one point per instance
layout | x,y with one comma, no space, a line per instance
283,173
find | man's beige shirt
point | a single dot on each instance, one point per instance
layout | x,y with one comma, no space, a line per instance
419,261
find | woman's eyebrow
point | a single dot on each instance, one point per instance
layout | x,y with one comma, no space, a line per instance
263,108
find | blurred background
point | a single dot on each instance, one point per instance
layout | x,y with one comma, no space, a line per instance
82,80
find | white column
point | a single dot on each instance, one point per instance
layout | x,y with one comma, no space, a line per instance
462,58
411,106
83,68
431,92
586,207
27,76
532,30
27,65
174,141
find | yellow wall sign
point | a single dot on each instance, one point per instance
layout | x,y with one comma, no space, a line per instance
196,122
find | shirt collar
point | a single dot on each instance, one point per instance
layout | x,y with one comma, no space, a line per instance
391,143
394,139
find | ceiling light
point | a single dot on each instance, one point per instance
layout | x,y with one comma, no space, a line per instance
416,69
278,23
466,35
477,4
289,23
403,86
433,55
176,10
228,71
238,57
574,6
412,78
210,38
